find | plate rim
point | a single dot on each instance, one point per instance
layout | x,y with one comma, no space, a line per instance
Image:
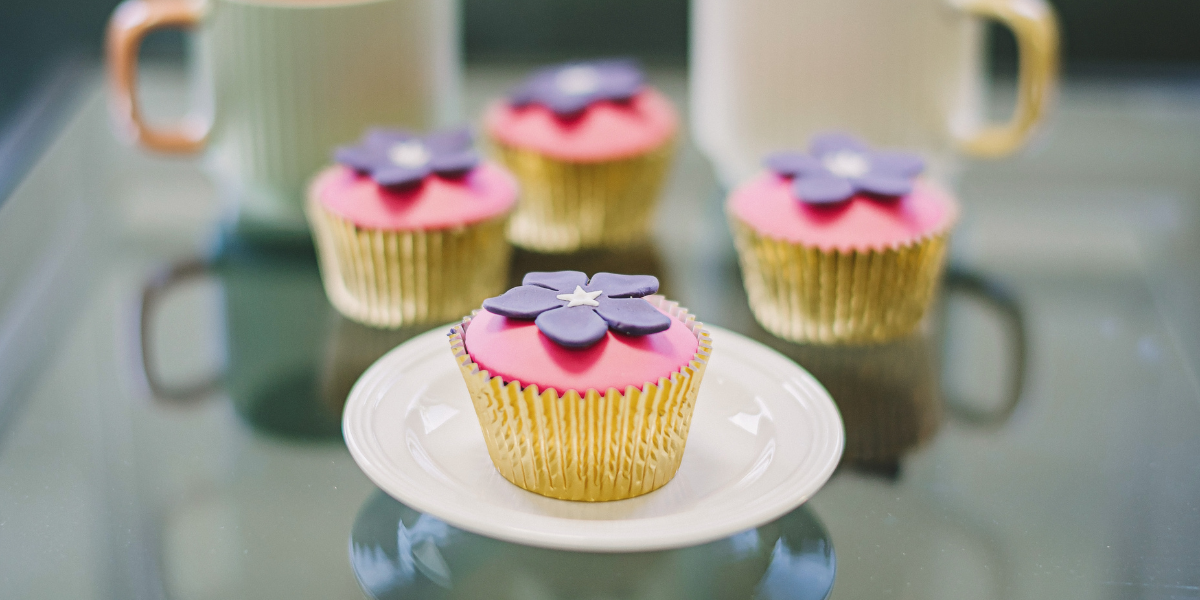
541,530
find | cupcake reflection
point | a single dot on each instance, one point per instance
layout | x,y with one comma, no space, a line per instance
398,553
888,395
891,395
352,348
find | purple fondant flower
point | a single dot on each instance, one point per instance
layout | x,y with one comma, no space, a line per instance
395,158
576,313
838,166
569,88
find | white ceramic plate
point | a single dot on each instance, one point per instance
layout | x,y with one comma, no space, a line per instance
765,437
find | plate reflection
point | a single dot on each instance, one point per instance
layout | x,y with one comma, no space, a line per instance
399,553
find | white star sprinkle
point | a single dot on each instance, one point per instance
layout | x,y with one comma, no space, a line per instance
577,80
580,297
847,163
410,153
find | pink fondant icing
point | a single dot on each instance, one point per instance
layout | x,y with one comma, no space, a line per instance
767,204
515,350
605,131
438,203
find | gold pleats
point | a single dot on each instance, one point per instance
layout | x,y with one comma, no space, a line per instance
807,294
398,278
568,206
590,446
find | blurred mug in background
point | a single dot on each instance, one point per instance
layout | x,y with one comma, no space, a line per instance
283,82
769,74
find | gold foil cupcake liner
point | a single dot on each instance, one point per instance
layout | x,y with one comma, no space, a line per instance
568,206
590,446
807,294
392,279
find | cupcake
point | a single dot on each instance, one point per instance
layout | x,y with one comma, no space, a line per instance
410,229
584,388
591,144
841,244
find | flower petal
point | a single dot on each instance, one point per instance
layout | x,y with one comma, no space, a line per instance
822,189
632,316
575,327
449,142
563,281
791,164
896,164
829,143
394,176
528,91
623,286
456,163
521,95
381,139
359,158
523,302
566,105
620,79
884,185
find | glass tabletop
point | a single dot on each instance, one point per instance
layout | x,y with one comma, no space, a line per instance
171,396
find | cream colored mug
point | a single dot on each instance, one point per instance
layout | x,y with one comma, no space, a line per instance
769,74
287,80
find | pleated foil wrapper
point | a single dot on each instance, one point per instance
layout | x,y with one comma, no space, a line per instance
589,446
393,279
568,206
808,294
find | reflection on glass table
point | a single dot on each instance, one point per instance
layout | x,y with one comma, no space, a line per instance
290,358
1085,488
399,553
891,395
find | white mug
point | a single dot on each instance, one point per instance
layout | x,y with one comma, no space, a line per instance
287,81
769,74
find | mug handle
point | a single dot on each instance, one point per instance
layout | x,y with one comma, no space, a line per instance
1035,26
152,293
1004,304
127,27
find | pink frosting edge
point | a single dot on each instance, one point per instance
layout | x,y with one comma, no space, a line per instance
741,205
499,195
700,353
502,125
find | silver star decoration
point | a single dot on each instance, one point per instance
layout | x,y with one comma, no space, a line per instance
580,297
410,153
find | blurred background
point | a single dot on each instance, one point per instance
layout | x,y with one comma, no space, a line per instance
44,43
1101,37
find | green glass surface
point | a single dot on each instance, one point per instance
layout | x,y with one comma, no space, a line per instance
1037,439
